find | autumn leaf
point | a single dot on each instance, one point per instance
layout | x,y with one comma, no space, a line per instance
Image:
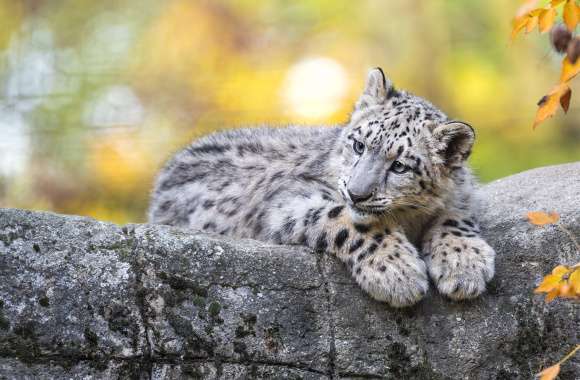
523,18
569,70
546,19
552,294
571,14
517,26
574,281
555,3
563,282
565,100
531,23
552,281
548,105
550,373
540,218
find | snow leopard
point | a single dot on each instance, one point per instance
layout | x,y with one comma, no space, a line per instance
389,193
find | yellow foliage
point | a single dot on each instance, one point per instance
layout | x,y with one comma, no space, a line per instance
563,282
569,70
546,19
548,105
528,18
550,373
571,14
540,218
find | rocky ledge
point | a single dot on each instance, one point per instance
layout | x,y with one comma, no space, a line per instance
86,299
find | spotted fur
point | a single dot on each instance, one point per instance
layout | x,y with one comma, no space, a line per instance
389,193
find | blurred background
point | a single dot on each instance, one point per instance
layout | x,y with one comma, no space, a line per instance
96,95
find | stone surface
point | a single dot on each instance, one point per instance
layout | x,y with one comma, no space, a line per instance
85,299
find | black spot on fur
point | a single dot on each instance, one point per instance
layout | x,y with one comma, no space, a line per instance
356,245
288,226
165,206
316,215
362,228
450,223
270,195
321,243
208,148
470,224
335,212
340,238
208,204
180,178
209,226
276,176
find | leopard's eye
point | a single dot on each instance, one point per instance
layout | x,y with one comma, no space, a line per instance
399,168
358,147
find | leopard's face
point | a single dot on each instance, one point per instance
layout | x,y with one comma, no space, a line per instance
398,152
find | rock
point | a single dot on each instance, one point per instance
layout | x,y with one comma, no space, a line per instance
87,299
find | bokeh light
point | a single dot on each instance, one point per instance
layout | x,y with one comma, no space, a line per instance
315,88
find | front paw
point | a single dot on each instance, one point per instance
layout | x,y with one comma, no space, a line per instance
460,266
397,278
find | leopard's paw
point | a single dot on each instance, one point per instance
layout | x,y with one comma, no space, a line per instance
460,266
398,278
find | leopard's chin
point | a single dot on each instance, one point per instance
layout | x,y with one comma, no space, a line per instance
366,213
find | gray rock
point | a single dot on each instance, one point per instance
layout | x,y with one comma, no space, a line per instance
86,299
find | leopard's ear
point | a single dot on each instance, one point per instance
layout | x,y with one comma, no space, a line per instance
377,90
453,142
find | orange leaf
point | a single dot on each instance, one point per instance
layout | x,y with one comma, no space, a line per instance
550,373
571,14
527,7
517,25
553,281
555,3
531,23
548,284
565,99
540,218
574,281
552,294
560,270
546,19
548,105
565,291
569,70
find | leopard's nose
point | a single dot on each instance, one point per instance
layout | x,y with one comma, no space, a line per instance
357,198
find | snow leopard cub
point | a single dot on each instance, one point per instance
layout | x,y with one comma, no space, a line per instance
388,193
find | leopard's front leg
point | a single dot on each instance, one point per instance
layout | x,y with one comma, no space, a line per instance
381,259
459,261
388,267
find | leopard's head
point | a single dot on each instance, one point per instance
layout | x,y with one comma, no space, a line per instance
399,151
